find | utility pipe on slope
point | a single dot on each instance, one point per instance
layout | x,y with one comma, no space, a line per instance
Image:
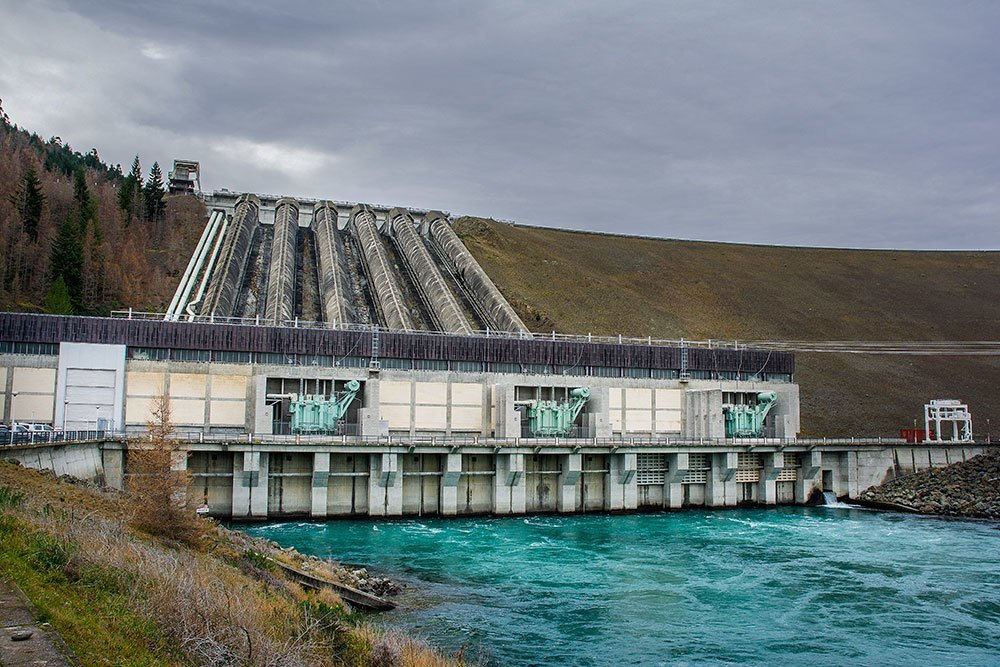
433,289
228,275
279,305
493,302
388,296
332,293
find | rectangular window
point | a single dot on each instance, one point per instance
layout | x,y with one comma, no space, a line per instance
29,348
351,362
467,366
607,371
572,370
226,357
664,374
498,367
403,364
149,353
323,360
636,372
430,364
275,358
191,355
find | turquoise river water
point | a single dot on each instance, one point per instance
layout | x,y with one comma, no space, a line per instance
785,585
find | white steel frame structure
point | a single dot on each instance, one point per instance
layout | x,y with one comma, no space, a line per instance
945,411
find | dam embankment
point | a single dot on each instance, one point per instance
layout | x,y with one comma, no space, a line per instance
966,489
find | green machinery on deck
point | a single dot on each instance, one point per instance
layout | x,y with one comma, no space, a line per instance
747,421
313,413
556,418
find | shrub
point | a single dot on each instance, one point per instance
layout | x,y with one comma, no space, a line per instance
158,488
10,498
51,553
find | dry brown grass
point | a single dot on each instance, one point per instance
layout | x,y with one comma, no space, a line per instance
210,602
577,282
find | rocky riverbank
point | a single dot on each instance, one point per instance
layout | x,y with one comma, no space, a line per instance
967,489
355,577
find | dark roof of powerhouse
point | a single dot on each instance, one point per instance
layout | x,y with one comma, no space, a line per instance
32,328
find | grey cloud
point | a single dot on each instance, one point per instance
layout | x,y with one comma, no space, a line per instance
849,123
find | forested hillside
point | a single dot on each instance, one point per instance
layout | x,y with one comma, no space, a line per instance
79,236
577,282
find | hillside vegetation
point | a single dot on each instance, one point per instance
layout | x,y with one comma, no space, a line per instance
79,236
578,282
119,595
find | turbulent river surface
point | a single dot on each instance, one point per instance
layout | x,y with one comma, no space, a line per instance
786,585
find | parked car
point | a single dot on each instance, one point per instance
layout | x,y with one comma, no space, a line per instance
32,432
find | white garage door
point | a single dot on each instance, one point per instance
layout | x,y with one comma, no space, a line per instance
90,398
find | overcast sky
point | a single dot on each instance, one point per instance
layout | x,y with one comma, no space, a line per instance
866,124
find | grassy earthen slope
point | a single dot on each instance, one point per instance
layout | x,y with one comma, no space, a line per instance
578,282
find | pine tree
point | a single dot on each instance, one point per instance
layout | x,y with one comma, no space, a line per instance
86,207
130,194
153,193
95,270
57,300
67,260
29,201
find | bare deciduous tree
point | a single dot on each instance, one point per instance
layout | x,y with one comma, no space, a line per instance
158,480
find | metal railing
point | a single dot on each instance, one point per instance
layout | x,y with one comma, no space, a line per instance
351,437
10,438
487,333
902,347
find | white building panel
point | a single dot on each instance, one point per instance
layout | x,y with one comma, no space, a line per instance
227,413
466,393
188,385
432,393
187,411
32,407
668,399
431,418
466,418
140,383
615,398
229,386
394,391
638,398
138,409
638,421
35,380
398,416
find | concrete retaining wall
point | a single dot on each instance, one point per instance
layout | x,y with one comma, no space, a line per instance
84,460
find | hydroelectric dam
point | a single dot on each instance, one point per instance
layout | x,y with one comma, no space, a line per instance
327,358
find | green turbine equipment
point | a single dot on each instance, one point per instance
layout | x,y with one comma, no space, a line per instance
747,421
313,413
556,417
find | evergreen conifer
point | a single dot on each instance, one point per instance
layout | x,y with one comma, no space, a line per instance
153,193
29,200
57,300
67,260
